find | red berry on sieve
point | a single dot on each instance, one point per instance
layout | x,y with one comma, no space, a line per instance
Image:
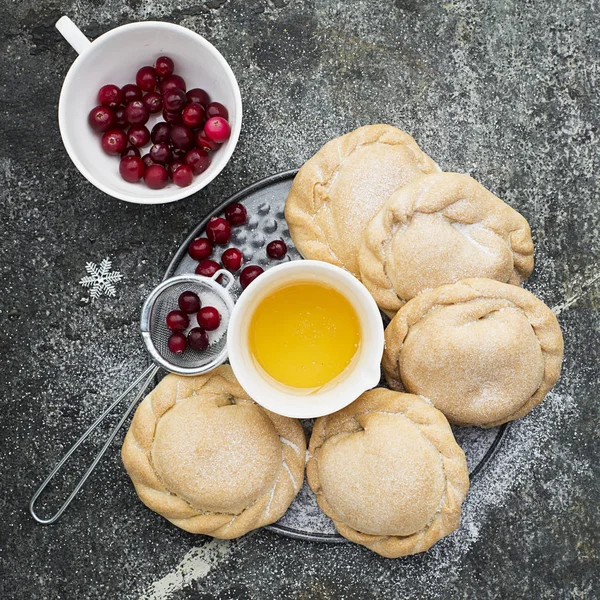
189,302
198,339
177,343
209,318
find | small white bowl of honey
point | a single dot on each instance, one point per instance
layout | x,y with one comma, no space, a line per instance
305,339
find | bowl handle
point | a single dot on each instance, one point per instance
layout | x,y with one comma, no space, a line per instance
72,34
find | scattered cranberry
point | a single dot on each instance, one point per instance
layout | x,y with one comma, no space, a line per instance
174,165
156,177
147,160
114,141
200,248
198,339
218,230
217,129
110,95
276,249
132,168
199,96
204,143
209,318
216,109
189,302
136,113
207,268
153,102
182,137
120,117
177,320
102,119
172,118
177,343
138,135
164,66
236,213
174,100
130,93
146,79
232,259
161,153
161,132
198,160
172,82
130,151
193,114
249,274
183,176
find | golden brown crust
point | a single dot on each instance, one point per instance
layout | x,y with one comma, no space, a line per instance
215,390
541,319
434,430
308,210
396,266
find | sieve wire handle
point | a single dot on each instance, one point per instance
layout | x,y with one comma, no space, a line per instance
148,375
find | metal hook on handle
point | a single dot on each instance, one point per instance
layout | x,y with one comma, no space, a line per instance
149,374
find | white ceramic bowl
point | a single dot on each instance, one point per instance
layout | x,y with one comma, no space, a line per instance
361,375
115,57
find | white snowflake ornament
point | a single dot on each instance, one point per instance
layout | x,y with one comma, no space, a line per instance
101,279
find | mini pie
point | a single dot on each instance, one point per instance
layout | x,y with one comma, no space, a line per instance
482,351
437,230
342,187
389,472
209,459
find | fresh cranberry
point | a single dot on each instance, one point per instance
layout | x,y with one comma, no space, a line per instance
146,79
174,100
153,102
110,95
232,259
138,135
172,118
147,160
216,109
174,165
120,117
189,302
177,343
207,268
161,153
182,137
164,66
198,339
236,213
156,177
218,230
276,249
199,96
204,143
249,274
130,151
132,168
183,176
102,118
209,318
217,129
171,82
193,114
177,320
161,133
198,160
200,248
131,92
114,141
136,113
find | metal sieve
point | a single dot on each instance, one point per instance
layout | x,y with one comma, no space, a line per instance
213,291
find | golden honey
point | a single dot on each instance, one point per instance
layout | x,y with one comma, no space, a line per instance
304,334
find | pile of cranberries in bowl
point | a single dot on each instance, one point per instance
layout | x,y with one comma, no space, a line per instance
177,147
218,233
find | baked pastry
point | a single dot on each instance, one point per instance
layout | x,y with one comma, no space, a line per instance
342,187
209,459
437,230
389,472
482,351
